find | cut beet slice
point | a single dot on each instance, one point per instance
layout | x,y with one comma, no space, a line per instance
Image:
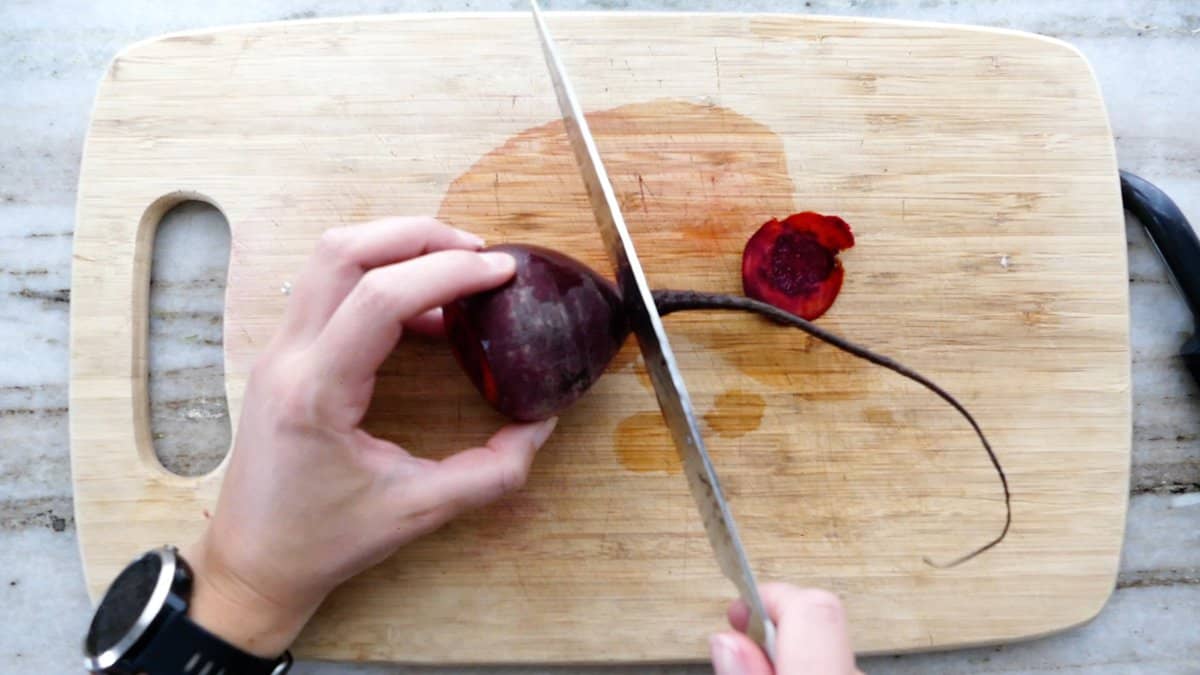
792,264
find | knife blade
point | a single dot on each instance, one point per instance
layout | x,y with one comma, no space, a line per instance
664,372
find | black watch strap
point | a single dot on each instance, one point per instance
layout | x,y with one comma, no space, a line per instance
183,647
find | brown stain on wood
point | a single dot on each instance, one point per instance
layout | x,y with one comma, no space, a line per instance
643,444
1037,314
643,376
694,181
876,415
629,361
627,358
736,413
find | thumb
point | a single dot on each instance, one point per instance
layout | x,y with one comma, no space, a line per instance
474,477
736,654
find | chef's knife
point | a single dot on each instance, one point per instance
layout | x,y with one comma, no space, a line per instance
656,350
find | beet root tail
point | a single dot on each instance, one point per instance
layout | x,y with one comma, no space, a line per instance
669,301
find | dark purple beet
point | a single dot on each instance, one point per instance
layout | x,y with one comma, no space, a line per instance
533,346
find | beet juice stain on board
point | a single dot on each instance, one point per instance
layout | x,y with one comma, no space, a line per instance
692,180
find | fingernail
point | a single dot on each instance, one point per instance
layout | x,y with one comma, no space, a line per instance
544,431
499,262
724,655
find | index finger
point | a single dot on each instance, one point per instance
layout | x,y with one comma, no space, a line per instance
366,326
344,254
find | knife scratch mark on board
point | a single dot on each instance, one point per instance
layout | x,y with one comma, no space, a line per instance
237,58
717,64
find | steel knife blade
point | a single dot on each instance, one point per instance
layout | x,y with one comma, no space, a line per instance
660,361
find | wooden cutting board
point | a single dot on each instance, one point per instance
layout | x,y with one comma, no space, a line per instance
975,166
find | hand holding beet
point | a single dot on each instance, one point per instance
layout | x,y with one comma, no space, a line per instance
309,498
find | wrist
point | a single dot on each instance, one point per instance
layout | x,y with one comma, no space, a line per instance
230,609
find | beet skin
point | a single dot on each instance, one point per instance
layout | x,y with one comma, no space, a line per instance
546,336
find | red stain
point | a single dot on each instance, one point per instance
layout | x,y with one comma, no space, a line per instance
489,382
469,349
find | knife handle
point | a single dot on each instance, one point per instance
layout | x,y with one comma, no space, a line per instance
1170,231
1177,244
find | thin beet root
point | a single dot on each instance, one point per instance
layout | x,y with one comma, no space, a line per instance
678,301
533,346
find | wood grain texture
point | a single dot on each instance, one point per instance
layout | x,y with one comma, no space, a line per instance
976,167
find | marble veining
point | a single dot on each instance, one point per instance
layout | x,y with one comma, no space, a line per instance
52,54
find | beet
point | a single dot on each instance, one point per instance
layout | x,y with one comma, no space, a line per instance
533,346
537,344
793,264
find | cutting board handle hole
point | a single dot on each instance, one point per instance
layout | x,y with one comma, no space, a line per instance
189,413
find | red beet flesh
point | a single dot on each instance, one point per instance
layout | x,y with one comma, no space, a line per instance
533,346
792,264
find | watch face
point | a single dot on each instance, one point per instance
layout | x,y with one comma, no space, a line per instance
123,604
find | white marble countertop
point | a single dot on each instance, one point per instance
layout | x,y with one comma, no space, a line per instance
52,54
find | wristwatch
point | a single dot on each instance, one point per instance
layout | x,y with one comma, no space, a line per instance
141,627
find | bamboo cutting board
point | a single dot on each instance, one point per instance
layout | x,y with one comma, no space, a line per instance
975,166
